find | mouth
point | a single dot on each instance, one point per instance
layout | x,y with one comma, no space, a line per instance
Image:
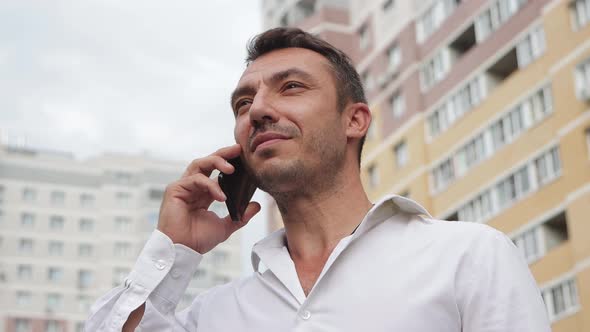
265,139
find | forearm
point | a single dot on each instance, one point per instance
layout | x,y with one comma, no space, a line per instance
134,319
149,282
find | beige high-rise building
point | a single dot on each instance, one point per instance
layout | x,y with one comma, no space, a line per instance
71,229
481,112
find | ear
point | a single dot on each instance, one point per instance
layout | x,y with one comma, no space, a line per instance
358,120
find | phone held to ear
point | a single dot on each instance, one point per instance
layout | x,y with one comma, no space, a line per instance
238,187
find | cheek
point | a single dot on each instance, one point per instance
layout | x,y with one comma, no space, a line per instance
241,132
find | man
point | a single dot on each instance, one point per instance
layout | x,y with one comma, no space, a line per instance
341,263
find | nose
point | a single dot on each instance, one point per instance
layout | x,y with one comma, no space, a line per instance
262,110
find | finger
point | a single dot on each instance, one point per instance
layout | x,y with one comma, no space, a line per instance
251,210
198,184
207,164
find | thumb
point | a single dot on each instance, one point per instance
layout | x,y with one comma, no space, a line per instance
251,210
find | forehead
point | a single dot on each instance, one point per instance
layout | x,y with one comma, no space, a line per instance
282,59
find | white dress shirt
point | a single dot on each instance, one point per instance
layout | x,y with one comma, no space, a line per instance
400,270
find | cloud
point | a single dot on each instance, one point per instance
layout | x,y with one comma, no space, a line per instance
94,76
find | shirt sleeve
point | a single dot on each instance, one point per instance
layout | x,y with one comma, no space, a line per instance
496,290
159,279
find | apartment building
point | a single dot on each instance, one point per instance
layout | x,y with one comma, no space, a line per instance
70,230
481,112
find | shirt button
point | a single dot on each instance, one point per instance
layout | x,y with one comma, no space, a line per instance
160,264
175,273
305,314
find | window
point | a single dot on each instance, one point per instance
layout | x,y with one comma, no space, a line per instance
401,154
531,47
55,248
80,325
153,217
433,17
23,298
86,225
22,325
123,177
582,76
548,166
122,249
529,244
53,326
55,274
57,197
364,37
478,209
373,176
54,301
85,278
512,188
371,130
507,128
87,200
537,106
200,273
367,80
219,279
122,224
470,154
561,299
85,250
580,12
25,246
461,102
156,194
123,199
398,105
27,220
219,257
388,5
435,69
84,303
394,57
56,223
29,195
493,17
24,272
443,174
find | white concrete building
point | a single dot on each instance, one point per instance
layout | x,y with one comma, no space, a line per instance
71,229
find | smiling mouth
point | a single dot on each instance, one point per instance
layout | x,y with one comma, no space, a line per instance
268,143
266,139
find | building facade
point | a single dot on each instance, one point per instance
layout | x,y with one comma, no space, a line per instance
70,230
481,113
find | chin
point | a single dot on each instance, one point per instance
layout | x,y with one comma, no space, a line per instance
275,175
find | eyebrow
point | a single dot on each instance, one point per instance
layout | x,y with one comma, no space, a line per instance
274,79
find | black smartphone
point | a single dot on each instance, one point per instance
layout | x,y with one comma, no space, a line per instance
238,187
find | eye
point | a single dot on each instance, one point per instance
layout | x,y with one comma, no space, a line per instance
292,85
240,104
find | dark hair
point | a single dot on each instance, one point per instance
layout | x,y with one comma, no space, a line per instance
348,82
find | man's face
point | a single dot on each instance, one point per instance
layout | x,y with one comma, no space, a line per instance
287,120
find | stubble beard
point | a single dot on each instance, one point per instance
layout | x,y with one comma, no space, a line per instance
295,178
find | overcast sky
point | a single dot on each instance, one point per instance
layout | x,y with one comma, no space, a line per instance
92,76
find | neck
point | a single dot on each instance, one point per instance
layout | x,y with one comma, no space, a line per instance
316,221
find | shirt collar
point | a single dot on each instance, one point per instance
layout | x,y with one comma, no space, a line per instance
383,210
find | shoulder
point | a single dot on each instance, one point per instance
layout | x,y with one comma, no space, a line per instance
466,238
453,230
